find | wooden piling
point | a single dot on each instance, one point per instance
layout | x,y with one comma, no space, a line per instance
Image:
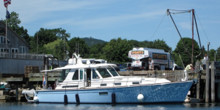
207,83
198,86
0,77
213,82
16,92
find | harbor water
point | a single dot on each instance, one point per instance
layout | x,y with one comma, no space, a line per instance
178,106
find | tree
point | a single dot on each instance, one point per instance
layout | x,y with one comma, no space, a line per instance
56,48
45,36
96,51
157,44
161,44
79,46
186,51
135,43
218,54
212,53
117,50
61,33
13,22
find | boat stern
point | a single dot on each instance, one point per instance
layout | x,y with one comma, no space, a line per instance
30,95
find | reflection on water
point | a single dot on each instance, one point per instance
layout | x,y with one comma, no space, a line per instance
179,106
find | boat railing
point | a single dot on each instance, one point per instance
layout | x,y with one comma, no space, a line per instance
173,76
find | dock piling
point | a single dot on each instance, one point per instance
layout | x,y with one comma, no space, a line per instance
207,82
213,82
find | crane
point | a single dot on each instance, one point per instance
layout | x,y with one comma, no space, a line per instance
192,11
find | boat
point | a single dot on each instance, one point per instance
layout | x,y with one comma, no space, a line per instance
87,82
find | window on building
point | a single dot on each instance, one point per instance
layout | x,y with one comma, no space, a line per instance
22,49
6,50
1,50
14,50
1,39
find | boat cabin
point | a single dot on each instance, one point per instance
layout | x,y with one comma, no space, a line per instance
79,75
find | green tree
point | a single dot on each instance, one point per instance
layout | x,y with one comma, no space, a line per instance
186,51
96,51
218,54
117,50
135,43
62,34
56,48
161,44
212,53
45,36
13,22
79,46
157,44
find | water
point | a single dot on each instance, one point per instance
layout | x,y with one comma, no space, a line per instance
179,106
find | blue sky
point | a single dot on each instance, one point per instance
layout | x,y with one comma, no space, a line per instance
129,19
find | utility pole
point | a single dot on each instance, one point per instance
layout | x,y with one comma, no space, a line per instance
37,42
192,36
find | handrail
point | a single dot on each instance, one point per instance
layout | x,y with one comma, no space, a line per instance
23,55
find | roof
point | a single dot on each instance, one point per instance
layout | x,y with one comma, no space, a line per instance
19,37
149,49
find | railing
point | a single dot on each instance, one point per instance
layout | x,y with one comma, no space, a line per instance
176,75
23,55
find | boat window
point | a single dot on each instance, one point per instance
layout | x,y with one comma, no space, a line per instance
94,74
81,74
103,72
112,71
75,76
64,74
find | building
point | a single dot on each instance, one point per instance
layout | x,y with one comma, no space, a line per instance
14,44
15,56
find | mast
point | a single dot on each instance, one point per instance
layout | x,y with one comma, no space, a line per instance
6,31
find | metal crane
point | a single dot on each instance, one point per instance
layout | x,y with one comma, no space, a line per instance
170,12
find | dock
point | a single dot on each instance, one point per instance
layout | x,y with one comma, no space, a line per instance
32,79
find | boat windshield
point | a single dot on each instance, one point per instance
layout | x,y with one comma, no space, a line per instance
103,72
112,71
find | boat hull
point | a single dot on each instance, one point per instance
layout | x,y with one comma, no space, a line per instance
157,93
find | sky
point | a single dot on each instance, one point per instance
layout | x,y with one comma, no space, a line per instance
128,19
